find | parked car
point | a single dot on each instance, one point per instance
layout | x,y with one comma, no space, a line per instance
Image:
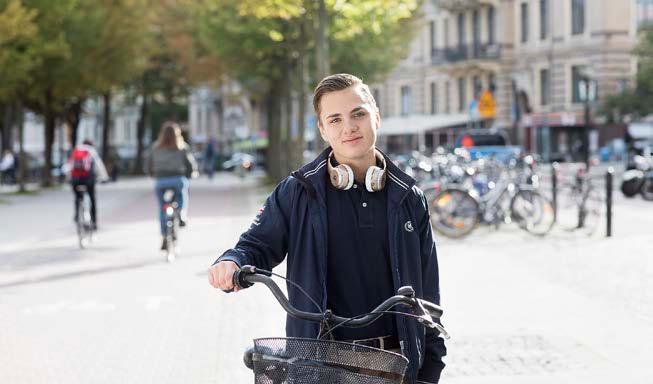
239,159
488,143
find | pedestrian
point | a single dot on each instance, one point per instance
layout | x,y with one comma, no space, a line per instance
354,229
209,158
172,164
86,168
8,167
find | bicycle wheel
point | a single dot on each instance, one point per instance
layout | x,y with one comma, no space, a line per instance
171,239
568,201
647,188
532,211
591,210
82,228
454,212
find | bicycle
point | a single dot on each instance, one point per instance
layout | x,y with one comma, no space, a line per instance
579,204
277,360
456,211
171,211
83,221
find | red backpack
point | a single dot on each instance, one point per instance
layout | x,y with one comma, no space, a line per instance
82,164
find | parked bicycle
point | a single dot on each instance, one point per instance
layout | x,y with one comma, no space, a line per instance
579,203
83,221
457,210
280,360
171,211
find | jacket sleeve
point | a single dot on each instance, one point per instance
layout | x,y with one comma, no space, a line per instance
100,168
265,243
190,163
435,349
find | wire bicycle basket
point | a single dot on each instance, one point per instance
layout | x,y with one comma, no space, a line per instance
285,360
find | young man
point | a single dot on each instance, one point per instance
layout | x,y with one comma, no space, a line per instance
85,168
354,229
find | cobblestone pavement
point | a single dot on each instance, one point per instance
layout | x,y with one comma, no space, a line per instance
565,308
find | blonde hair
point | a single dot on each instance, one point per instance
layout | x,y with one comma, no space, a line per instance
170,136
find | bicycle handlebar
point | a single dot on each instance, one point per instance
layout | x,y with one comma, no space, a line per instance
426,311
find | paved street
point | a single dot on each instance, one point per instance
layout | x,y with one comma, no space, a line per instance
565,308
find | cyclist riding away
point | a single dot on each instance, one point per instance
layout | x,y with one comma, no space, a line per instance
354,229
172,164
85,168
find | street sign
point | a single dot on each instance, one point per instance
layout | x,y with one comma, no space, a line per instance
487,106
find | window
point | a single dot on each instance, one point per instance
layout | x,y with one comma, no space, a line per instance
462,97
446,33
478,86
476,28
405,100
576,80
490,25
433,35
577,17
492,82
545,87
544,19
462,38
524,22
434,98
447,97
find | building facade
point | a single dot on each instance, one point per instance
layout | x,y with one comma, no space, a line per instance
533,57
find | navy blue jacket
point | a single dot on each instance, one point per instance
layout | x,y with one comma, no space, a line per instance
293,221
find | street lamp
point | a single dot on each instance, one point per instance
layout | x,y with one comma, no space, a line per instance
587,93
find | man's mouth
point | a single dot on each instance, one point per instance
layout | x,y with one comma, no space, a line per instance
353,140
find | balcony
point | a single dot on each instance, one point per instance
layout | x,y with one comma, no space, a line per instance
444,56
462,5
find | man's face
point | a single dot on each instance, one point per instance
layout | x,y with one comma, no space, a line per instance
348,122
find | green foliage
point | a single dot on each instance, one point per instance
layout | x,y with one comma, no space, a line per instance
635,102
18,55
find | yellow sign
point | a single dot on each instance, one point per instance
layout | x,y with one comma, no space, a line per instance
487,106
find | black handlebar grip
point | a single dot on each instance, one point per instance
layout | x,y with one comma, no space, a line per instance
239,278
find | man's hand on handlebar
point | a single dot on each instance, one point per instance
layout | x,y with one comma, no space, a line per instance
221,276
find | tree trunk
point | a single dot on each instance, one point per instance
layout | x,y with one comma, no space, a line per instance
22,158
106,128
50,122
302,70
274,132
287,120
73,117
6,128
140,134
322,41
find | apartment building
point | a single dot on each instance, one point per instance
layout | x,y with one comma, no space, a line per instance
532,56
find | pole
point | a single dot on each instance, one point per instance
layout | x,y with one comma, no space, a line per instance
609,177
554,189
586,129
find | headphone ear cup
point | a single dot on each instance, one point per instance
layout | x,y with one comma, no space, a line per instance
374,179
342,177
349,175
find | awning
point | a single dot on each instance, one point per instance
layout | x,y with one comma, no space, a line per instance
416,124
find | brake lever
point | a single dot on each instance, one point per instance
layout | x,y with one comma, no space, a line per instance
426,319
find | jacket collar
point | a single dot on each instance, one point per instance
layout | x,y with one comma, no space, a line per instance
314,177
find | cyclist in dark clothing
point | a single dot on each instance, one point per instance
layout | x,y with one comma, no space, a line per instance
354,229
85,168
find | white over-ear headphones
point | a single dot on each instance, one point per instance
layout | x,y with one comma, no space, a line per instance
342,176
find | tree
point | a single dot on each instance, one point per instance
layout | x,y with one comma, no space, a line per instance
262,41
634,102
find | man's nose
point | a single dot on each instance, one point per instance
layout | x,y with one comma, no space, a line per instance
350,126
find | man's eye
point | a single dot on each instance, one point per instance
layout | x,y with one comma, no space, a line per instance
336,120
359,114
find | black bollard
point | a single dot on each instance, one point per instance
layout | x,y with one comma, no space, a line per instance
608,200
554,189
